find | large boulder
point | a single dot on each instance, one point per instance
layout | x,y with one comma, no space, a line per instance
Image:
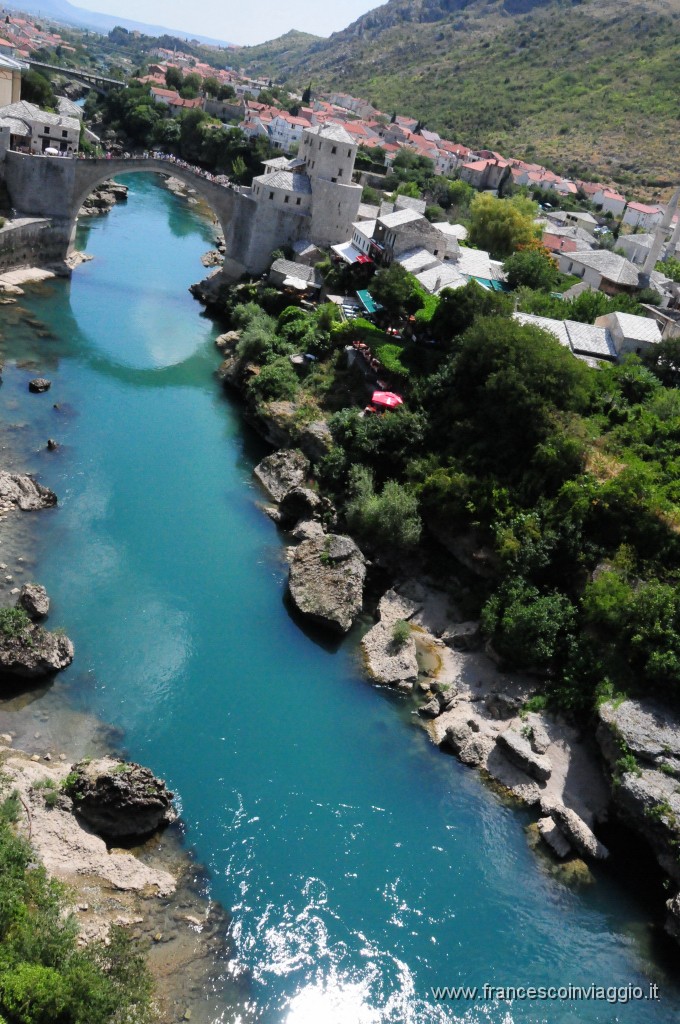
17,490
640,741
644,728
298,503
29,651
517,749
316,440
326,581
119,799
281,471
386,660
34,600
578,833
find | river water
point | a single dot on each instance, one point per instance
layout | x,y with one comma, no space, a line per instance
361,867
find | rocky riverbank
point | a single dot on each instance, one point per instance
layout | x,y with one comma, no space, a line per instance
103,198
71,814
624,766
103,826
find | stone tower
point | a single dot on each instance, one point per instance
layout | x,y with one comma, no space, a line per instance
328,153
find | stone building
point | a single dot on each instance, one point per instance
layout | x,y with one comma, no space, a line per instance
314,191
10,80
36,131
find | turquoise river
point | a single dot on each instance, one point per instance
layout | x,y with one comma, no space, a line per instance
360,866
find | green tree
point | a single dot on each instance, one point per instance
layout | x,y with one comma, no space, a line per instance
394,288
307,95
191,86
664,360
388,519
497,399
173,78
211,86
35,88
670,268
226,92
458,308
532,268
527,628
502,225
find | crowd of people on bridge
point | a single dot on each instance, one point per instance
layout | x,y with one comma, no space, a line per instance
216,179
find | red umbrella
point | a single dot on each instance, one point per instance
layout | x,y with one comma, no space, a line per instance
386,399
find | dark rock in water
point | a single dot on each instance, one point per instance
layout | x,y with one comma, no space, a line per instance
39,384
52,445
281,471
34,600
17,490
120,799
31,652
326,581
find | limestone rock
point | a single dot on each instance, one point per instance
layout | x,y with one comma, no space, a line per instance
31,652
307,529
394,606
578,833
34,600
39,384
673,917
316,440
650,803
554,838
120,799
277,423
518,750
228,340
281,471
386,662
468,743
298,503
463,636
326,581
503,705
538,734
430,710
229,371
20,491
644,728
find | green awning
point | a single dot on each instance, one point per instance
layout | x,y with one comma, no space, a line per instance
493,286
366,300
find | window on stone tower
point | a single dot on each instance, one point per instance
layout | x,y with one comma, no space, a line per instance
271,195
340,172
334,149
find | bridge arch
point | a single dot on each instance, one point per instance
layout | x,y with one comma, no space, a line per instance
224,200
56,187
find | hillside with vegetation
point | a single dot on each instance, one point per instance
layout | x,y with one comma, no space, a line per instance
588,87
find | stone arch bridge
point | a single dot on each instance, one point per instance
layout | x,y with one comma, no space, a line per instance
56,187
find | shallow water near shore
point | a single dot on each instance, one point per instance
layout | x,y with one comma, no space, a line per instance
361,867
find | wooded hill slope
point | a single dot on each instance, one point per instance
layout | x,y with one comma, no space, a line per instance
591,88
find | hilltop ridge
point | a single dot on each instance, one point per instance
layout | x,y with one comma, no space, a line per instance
588,86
